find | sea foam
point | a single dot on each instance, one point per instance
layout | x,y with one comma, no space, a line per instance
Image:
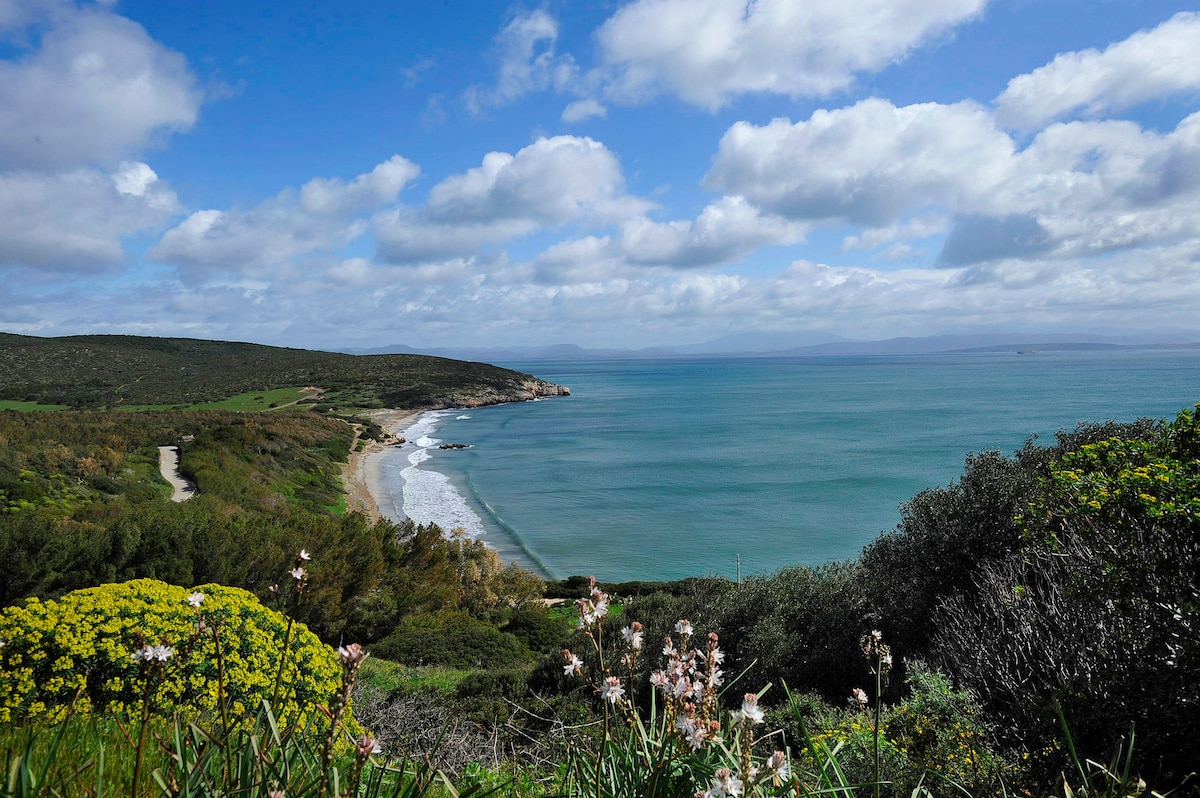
429,496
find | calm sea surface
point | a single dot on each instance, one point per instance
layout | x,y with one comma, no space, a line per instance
660,469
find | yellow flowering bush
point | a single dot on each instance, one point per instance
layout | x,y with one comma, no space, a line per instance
93,648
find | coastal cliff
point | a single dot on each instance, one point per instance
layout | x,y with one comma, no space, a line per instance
522,390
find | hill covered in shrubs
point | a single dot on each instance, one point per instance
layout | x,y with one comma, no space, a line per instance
93,371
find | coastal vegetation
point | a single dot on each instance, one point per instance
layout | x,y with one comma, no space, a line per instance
1032,628
111,371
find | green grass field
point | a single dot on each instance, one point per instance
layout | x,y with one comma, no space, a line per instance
256,400
26,407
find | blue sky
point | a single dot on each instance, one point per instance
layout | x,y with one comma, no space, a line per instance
454,173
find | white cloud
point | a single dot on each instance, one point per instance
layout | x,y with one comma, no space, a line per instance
528,62
1077,188
76,220
271,235
405,235
870,163
582,110
725,231
1147,65
550,182
380,186
709,51
98,88
457,302
546,185
922,226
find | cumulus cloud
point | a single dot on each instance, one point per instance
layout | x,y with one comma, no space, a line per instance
708,51
869,163
76,220
320,217
380,186
1077,188
1145,66
97,88
550,183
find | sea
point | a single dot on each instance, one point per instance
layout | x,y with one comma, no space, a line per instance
667,468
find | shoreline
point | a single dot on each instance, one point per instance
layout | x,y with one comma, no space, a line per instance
362,476
367,494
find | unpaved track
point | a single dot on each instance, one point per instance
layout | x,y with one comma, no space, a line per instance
168,464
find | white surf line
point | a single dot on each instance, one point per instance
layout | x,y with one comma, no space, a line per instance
168,464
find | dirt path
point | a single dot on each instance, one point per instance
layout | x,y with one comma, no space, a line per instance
168,464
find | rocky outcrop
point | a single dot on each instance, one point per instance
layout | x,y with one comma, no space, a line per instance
522,391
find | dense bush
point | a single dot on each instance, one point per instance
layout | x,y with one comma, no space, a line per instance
452,638
80,651
1098,614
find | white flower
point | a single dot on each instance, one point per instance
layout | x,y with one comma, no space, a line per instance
696,736
574,663
297,573
367,745
303,556
684,627
725,785
750,711
352,654
859,697
612,690
633,636
716,655
195,599
779,767
669,647
152,653
658,679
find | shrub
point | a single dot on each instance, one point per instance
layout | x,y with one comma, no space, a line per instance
79,650
453,638
935,736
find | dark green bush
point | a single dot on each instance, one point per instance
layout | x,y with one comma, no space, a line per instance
452,638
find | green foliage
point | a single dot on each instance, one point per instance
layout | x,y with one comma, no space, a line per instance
1098,614
29,407
88,756
452,638
78,653
935,736
133,371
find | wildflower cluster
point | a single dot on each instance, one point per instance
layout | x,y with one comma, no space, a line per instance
689,684
592,611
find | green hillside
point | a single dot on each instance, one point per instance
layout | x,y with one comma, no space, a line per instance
93,371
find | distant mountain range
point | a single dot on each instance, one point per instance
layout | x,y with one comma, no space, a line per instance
808,345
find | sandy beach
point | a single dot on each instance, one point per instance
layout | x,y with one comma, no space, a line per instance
364,493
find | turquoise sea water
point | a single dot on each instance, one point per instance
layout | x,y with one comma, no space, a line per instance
659,469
